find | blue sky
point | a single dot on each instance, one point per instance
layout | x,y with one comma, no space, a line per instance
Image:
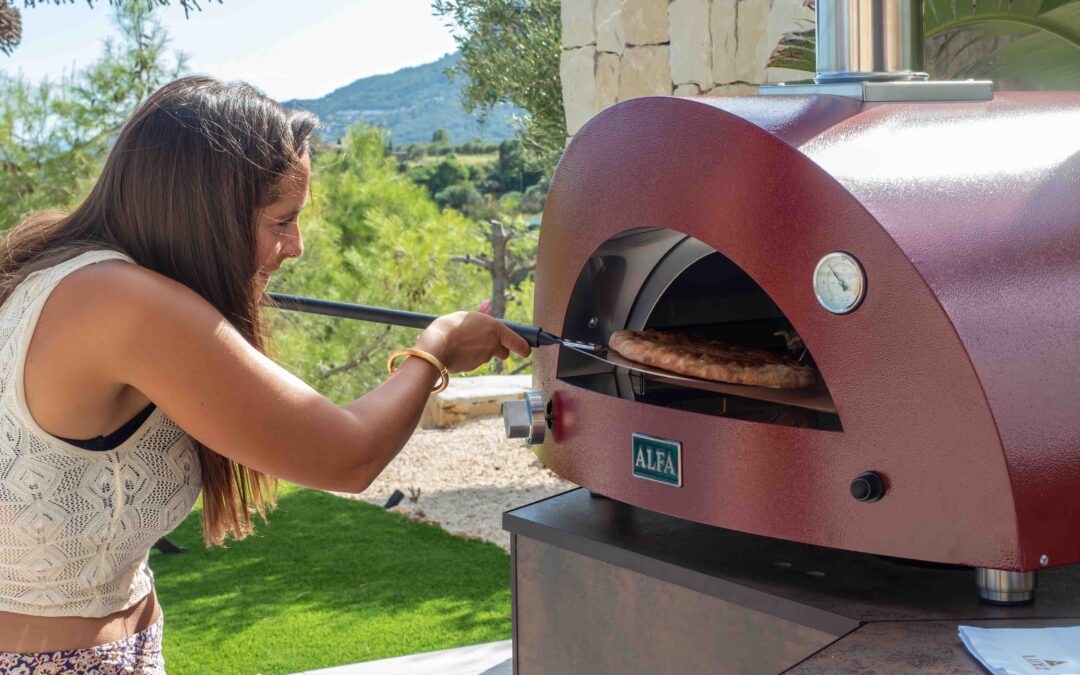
287,48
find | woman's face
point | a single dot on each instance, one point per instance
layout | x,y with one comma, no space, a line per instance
278,235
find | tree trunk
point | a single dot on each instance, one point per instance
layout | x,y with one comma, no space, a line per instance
502,266
500,275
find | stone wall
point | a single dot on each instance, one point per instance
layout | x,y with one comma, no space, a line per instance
614,50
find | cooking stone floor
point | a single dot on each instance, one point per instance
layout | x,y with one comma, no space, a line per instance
492,658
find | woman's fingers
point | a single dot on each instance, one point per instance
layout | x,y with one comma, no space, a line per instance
468,340
515,342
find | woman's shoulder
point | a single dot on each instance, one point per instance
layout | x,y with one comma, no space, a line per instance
117,271
116,293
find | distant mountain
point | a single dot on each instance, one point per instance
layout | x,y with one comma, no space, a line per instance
412,103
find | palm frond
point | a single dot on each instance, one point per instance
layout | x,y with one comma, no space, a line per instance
1030,43
796,51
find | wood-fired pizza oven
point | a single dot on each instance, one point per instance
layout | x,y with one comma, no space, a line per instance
956,380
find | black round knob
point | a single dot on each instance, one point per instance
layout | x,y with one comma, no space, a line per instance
867,487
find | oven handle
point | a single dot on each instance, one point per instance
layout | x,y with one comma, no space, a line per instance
534,335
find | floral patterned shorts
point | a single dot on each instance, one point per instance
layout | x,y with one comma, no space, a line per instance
138,654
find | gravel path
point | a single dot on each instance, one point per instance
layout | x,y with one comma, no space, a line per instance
465,476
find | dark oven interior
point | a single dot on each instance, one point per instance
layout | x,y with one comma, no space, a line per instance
654,278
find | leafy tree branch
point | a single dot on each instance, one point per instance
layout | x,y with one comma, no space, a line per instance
11,19
510,53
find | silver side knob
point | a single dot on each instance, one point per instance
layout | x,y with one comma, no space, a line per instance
524,418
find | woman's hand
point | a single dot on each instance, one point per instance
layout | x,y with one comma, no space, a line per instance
465,340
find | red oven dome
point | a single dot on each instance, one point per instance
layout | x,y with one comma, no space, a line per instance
954,380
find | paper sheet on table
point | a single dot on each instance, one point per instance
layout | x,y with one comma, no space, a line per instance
1025,651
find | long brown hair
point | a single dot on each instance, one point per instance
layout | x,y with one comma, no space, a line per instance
180,193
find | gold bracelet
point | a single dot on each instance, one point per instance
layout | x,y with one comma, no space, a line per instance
444,374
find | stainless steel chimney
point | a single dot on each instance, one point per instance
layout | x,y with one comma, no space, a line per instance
869,40
872,50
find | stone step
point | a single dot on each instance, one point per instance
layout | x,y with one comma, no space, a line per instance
492,658
470,397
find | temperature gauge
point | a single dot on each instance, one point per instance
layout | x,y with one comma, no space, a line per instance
839,282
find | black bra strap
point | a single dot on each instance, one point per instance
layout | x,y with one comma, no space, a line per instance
116,438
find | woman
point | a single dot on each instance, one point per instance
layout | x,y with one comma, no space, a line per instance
132,374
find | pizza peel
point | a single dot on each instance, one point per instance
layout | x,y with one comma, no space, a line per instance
534,335
814,398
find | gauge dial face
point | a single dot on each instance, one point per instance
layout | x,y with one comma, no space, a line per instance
839,282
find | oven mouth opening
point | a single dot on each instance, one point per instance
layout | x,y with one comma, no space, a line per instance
661,279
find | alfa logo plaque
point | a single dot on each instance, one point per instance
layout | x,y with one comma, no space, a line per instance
657,459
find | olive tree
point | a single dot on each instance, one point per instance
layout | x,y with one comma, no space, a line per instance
510,53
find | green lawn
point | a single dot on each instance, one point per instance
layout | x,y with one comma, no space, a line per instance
328,582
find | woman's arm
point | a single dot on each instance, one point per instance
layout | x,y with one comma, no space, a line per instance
169,343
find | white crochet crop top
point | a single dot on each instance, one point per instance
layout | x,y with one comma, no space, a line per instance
76,526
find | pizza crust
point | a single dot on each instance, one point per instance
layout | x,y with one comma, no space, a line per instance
712,360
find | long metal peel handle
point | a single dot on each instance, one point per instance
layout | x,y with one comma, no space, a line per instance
394,317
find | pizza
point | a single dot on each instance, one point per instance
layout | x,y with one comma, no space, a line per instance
712,360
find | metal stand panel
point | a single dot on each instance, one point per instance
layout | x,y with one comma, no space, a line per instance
602,587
